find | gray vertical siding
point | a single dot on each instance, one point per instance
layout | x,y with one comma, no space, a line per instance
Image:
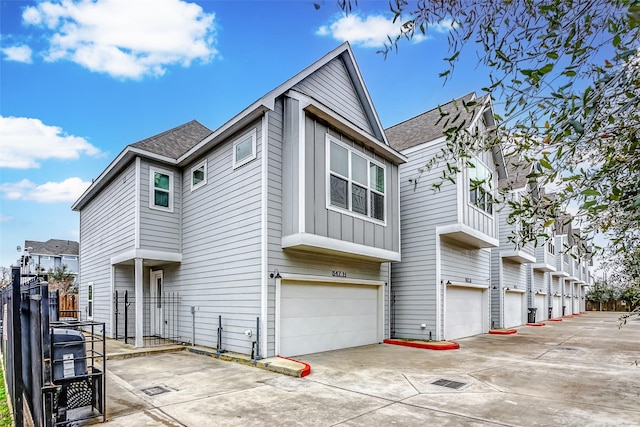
220,271
332,86
107,227
159,230
496,290
282,195
328,223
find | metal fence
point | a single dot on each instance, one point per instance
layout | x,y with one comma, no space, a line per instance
49,369
161,318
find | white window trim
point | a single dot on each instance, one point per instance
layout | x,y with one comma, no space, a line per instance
254,151
328,140
90,300
202,164
44,257
467,189
70,257
152,188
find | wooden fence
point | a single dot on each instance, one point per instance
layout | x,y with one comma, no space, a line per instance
68,306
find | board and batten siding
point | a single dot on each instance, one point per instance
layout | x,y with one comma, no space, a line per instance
220,271
107,228
159,230
335,224
413,280
496,290
332,86
282,193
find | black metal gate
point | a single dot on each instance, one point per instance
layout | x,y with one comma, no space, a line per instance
161,318
37,358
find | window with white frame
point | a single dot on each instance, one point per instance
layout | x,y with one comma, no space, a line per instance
69,257
161,188
244,149
199,175
551,247
90,300
480,186
356,182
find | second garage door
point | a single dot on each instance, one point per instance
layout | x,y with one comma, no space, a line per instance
513,308
317,317
465,312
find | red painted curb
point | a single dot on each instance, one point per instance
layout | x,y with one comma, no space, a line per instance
554,320
502,331
305,371
536,324
447,345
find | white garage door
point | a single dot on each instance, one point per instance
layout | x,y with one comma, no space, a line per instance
540,302
568,302
557,307
318,317
513,309
465,312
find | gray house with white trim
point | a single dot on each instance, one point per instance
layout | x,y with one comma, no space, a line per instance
510,270
287,214
441,286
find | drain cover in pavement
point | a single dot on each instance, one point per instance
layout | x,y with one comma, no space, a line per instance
154,391
449,384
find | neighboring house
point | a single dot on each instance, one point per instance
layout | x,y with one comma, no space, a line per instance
52,254
510,271
286,215
562,273
441,287
540,284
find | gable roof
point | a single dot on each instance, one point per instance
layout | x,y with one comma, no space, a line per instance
517,172
175,142
184,145
54,247
431,124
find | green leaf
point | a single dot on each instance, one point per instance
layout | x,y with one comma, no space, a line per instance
546,69
545,163
590,192
548,223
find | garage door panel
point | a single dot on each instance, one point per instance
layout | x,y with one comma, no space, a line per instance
318,317
464,312
513,309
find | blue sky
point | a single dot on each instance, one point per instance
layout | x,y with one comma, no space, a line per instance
79,80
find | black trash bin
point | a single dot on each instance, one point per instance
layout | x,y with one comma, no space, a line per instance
69,354
532,315
550,311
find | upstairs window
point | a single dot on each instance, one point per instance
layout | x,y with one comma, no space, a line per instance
356,182
199,175
480,186
551,248
244,149
161,190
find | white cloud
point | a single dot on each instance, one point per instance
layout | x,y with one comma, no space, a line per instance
18,53
51,192
125,39
26,141
5,218
373,30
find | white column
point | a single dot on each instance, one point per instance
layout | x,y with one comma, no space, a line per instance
138,276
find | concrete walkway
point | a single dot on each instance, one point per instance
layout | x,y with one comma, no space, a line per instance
582,371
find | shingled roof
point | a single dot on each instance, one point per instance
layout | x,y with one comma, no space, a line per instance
431,124
54,247
175,142
517,171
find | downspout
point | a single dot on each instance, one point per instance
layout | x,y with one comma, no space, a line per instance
264,247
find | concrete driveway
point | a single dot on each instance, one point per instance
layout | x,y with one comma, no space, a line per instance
582,371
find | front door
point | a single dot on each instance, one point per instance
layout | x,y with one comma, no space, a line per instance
155,304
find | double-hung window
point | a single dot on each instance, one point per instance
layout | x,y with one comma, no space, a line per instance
480,186
161,188
356,182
